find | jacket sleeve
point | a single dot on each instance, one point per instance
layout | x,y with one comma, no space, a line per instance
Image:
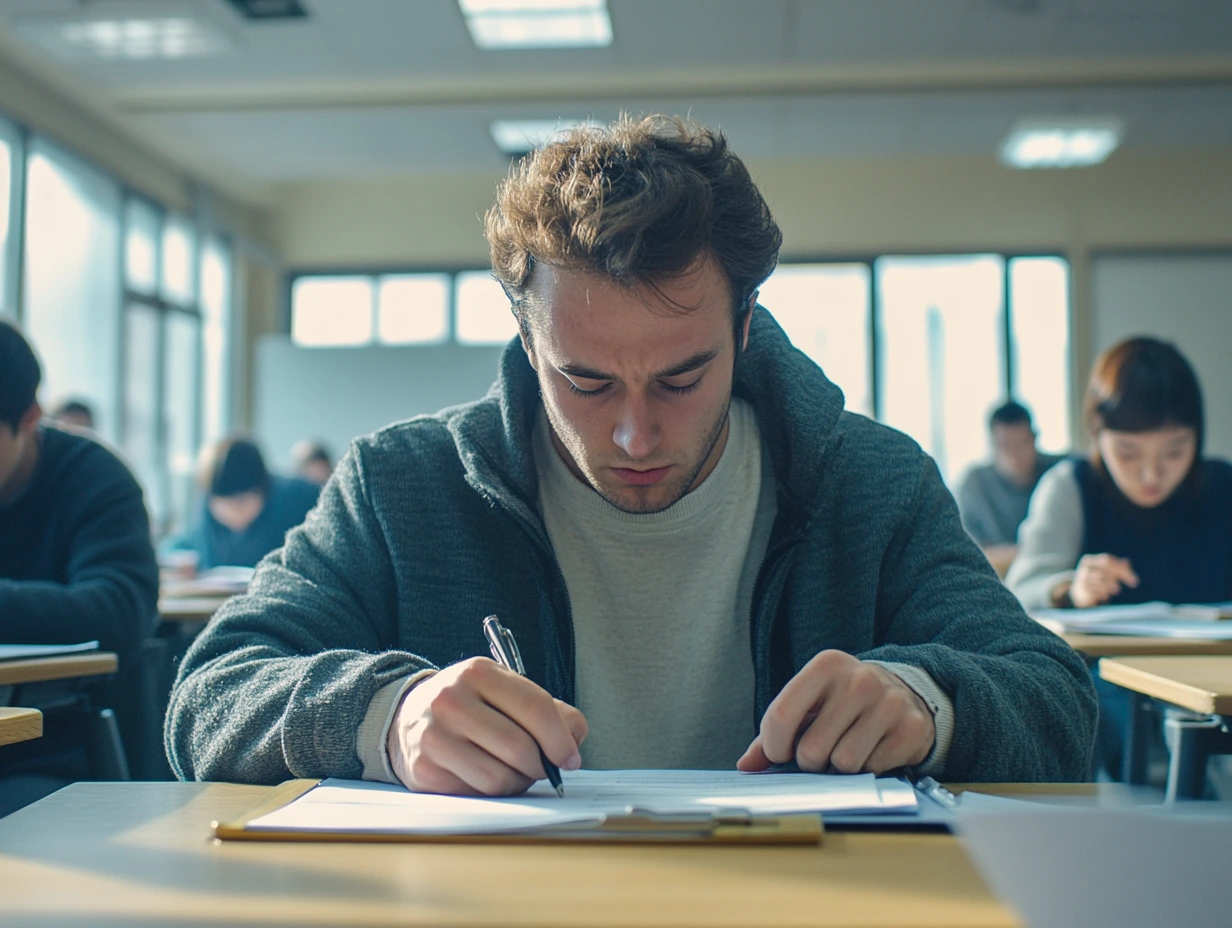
1050,540
1024,704
110,590
279,683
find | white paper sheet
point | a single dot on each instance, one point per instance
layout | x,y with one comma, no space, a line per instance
12,652
1091,620
353,806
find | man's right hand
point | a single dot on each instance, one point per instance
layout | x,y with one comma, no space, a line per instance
1099,578
475,728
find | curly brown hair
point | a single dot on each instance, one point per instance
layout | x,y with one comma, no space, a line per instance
639,201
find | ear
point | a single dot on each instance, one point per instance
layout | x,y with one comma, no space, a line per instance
31,419
748,319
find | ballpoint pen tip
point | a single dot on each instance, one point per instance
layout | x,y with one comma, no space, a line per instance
560,791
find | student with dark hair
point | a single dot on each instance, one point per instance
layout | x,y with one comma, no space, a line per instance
313,462
74,413
707,563
246,511
993,498
76,562
1146,517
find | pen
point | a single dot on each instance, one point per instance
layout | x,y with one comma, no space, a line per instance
937,793
505,651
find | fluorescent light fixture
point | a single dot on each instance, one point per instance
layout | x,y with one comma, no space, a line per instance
538,23
518,136
1063,142
127,31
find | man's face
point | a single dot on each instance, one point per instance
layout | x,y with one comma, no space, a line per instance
636,389
17,447
1013,449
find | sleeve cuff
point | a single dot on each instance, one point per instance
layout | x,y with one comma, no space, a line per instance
941,706
372,741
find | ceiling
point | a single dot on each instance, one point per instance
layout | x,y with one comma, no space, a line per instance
373,87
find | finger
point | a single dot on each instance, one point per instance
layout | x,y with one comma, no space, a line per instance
754,758
902,745
529,706
817,742
479,770
471,719
1123,571
853,748
788,712
575,721
430,777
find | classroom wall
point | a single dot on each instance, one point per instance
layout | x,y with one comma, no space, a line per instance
335,394
833,208
1186,299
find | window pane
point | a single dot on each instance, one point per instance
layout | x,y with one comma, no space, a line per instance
331,311
824,310
1039,318
141,246
484,317
179,241
140,443
180,413
216,339
8,243
941,341
413,309
72,284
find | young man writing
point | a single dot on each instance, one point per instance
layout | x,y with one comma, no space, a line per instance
706,562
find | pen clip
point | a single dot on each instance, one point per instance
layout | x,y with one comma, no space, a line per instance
503,645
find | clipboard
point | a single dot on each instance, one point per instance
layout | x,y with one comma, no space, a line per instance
643,828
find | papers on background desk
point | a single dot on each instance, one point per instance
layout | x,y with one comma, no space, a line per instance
218,581
13,652
1155,619
591,797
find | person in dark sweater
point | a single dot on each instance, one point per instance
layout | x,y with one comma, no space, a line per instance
1146,517
246,511
76,560
705,560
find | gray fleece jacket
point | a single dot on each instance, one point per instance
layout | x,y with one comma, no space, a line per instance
431,524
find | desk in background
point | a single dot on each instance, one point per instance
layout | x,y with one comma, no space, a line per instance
196,609
17,724
1202,686
123,853
1127,645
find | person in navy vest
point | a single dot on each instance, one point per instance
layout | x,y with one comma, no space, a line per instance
1146,517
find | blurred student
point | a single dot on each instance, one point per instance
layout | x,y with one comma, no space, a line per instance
247,511
313,462
76,562
993,498
74,413
1145,518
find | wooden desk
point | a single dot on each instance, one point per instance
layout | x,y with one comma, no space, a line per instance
190,609
1130,645
64,667
1198,684
127,853
19,725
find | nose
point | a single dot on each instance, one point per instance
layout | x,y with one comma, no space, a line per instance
1152,472
636,432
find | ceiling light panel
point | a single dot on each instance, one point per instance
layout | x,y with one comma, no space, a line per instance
127,31
504,24
1065,142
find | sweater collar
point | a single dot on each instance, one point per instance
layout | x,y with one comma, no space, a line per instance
797,410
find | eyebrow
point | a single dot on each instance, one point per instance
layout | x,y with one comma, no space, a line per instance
691,363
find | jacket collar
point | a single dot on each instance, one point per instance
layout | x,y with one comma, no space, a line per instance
797,410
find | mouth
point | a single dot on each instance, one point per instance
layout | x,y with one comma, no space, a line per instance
640,478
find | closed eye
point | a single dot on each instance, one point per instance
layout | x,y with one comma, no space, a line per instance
578,391
681,390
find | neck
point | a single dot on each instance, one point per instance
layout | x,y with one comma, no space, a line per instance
24,471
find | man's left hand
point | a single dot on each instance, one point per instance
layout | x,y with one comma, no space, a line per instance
840,714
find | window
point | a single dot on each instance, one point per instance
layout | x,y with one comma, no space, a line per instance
10,211
71,306
400,309
824,309
1039,317
215,339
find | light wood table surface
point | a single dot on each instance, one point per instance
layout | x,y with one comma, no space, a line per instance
1128,645
189,608
63,667
128,853
20,724
1200,684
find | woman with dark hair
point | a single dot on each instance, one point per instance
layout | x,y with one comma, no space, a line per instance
1144,518
247,511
